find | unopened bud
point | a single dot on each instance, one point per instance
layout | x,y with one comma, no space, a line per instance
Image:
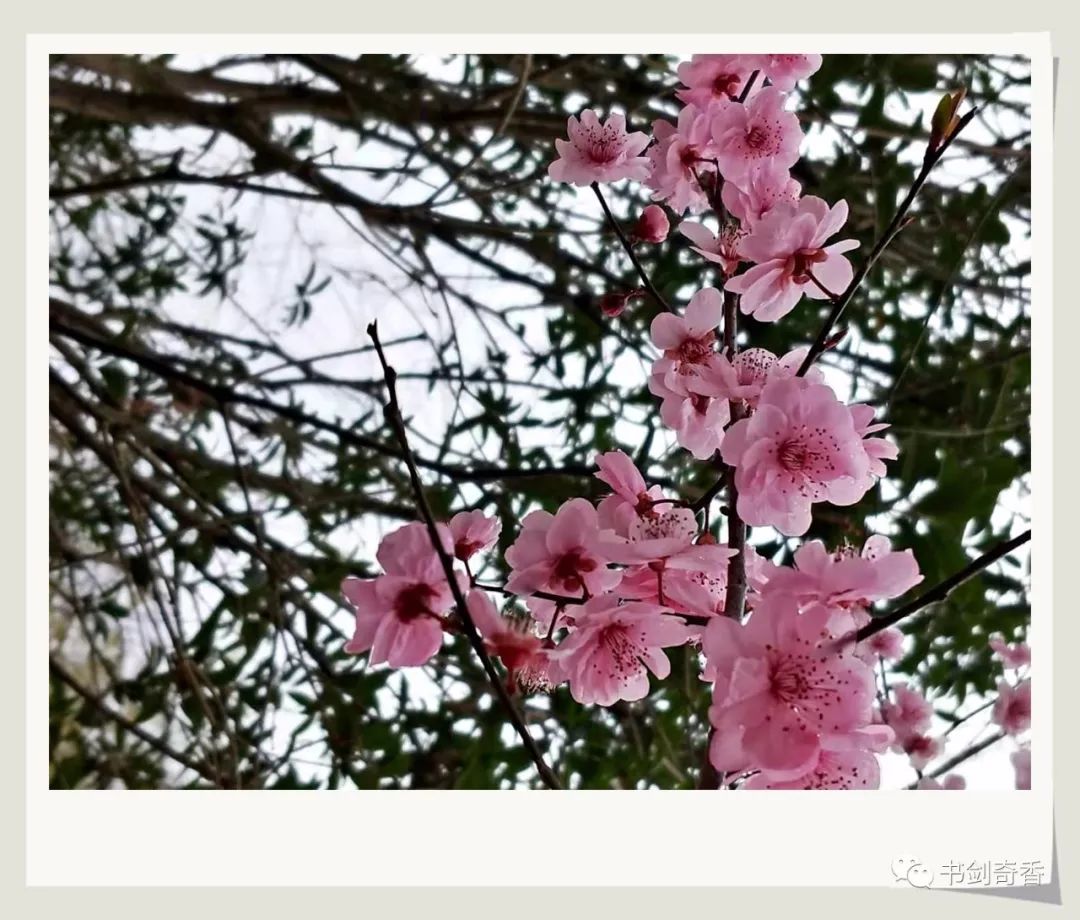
652,226
614,302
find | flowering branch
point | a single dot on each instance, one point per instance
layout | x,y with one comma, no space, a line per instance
958,759
394,418
645,280
942,590
899,221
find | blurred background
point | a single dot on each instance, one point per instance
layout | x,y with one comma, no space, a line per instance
222,230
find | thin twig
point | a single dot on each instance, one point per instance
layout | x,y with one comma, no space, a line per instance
941,590
966,754
396,421
645,280
127,725
898,222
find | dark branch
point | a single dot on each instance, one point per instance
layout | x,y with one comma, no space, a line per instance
645,280
898,222
394,417
942,590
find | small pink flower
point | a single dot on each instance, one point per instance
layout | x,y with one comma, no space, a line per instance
908,714
785,691
631,498
723,249
1011,656
652,226
698,421
799,447
921,749
680,154
556,553
764,189
689,341
952,781
1021,761
788,245
652,537
1012,711
599,152
744,377
691,580
785,70
399,614
747,137
473,531
608,655
714,77
887,644
514,641
845,578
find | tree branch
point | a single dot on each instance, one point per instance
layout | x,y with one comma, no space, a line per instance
941,590
394,418
645,280
898,222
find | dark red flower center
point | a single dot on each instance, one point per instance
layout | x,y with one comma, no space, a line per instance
569,569
414,601
696,351
726,84
802,262
757,137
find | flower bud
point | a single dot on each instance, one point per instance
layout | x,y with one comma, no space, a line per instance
614,302
652,226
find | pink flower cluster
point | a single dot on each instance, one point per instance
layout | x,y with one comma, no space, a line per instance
609,586
800,445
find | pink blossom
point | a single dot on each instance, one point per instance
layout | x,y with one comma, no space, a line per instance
691,580
631,497
723,249
763,190
556,553
714,77
680,151
698,422
473,531
788,245
800,447
785,70
653,536
688,341
1011,656
652,226
908,714
921,749
844,769
1012,711
746,137
514,641
399,614
887,644
599,152
1021,761
608,655
744,377
784,691
952,781
845,578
